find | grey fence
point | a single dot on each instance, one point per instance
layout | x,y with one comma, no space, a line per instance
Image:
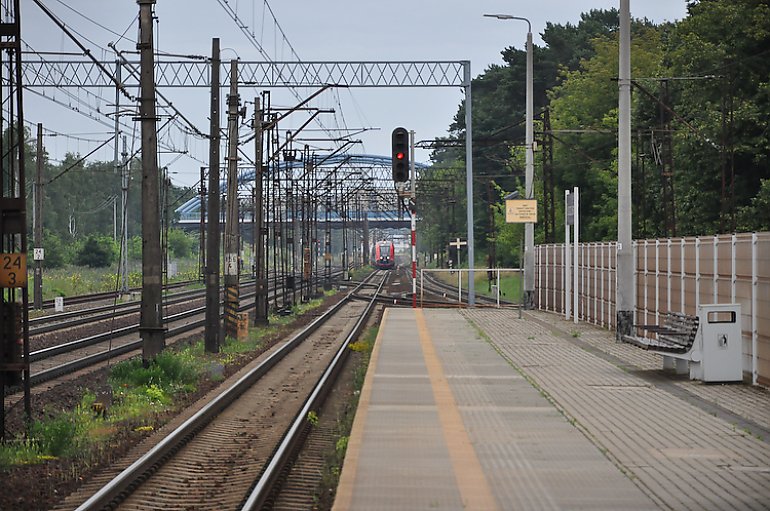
676,274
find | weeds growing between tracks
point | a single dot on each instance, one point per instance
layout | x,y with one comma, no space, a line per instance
134,399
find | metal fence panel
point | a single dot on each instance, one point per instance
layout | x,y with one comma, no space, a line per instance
675,274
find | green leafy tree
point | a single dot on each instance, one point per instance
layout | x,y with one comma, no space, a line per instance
722,159
57,253
585,106
96,252
499,96
180,244
756,215
135,248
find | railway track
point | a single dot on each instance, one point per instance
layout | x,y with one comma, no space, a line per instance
109,295
63,349
440,292
211,458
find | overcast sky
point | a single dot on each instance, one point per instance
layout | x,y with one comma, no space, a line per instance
317,30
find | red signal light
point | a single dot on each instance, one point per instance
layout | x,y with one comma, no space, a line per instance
400,155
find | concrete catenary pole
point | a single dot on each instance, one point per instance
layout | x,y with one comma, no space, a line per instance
151,328
212,334
625,297
260,303
202,225
232,245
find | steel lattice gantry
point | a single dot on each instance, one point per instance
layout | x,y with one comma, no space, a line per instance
78,73
175,73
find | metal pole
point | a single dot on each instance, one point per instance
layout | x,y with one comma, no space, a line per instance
366,232
232,297
116,155
212,335
124,220
151,327
567,256
37,218
469,179
754,300
529,170
529,174
576,242
413,215
625,296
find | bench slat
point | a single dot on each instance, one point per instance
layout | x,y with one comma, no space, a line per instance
676,334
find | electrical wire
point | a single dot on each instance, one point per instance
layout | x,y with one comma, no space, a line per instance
81,160
106,29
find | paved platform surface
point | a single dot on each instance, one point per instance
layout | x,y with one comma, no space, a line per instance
480,409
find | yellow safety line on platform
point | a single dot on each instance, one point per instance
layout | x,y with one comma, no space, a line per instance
348,477
471,481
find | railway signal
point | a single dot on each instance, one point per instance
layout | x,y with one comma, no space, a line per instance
400,155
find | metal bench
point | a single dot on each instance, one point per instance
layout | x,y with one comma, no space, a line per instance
707,346
675,335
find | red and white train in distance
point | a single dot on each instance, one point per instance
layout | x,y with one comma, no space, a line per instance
384,255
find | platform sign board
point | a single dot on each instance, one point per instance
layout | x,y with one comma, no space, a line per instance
520,211
13,270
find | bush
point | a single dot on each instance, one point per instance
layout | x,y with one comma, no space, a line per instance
55,436
180,244
96,252
56,251
167,370
134,247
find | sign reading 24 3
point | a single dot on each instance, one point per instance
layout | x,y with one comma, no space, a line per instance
13,270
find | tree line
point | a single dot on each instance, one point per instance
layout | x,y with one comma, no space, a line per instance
700,141
82,210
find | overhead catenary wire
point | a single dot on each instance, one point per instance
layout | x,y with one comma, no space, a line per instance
193,130
85,50
106,29
79,161
243,27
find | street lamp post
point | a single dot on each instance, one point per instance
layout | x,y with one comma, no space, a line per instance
529,169
626,301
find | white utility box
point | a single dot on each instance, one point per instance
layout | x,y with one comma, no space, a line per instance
720,342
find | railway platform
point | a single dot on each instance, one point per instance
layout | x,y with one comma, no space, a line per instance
479,409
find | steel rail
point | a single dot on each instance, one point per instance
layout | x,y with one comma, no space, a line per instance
78,299
123,484
437,284
297,432
127,347
104,312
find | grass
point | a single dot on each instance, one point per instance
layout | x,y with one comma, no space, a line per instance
80,280
136,396
333,467
510,283
64,434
